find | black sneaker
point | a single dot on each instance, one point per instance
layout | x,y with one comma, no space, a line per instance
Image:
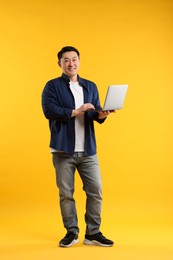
69,240
97,240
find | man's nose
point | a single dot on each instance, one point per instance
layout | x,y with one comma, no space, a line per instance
70,63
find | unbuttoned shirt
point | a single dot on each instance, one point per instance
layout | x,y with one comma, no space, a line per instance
58,103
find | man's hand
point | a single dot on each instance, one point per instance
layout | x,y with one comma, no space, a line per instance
103,114
81,110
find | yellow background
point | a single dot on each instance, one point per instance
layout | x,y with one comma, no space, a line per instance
120,42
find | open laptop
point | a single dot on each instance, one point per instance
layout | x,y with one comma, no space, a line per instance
115,97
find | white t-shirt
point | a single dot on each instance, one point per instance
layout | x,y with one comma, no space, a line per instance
77,91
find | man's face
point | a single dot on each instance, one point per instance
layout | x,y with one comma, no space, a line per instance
70,63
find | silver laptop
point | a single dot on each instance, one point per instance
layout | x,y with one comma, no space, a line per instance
115,97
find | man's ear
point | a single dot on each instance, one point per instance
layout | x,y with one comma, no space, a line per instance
59,63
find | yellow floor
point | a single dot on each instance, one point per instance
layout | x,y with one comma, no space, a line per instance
33,233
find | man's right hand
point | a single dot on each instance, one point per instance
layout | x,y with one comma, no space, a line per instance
81,110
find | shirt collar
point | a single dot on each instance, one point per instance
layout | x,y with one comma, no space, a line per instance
80,80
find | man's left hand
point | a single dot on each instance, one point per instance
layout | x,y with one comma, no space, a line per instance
103,114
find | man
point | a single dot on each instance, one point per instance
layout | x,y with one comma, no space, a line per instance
69,102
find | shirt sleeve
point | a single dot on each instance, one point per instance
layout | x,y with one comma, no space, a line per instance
97,106
51,105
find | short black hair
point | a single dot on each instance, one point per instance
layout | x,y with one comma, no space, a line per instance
66,49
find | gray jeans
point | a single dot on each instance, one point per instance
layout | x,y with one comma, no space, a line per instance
89,171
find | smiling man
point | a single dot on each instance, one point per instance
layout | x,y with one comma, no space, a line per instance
69,63
69,103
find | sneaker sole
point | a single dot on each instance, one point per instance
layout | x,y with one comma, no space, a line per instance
95,243
75,241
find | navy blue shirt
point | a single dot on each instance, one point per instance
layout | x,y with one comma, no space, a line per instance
58,103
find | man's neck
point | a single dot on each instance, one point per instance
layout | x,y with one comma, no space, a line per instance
73,78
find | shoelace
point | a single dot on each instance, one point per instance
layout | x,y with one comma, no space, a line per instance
101,235
68,234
